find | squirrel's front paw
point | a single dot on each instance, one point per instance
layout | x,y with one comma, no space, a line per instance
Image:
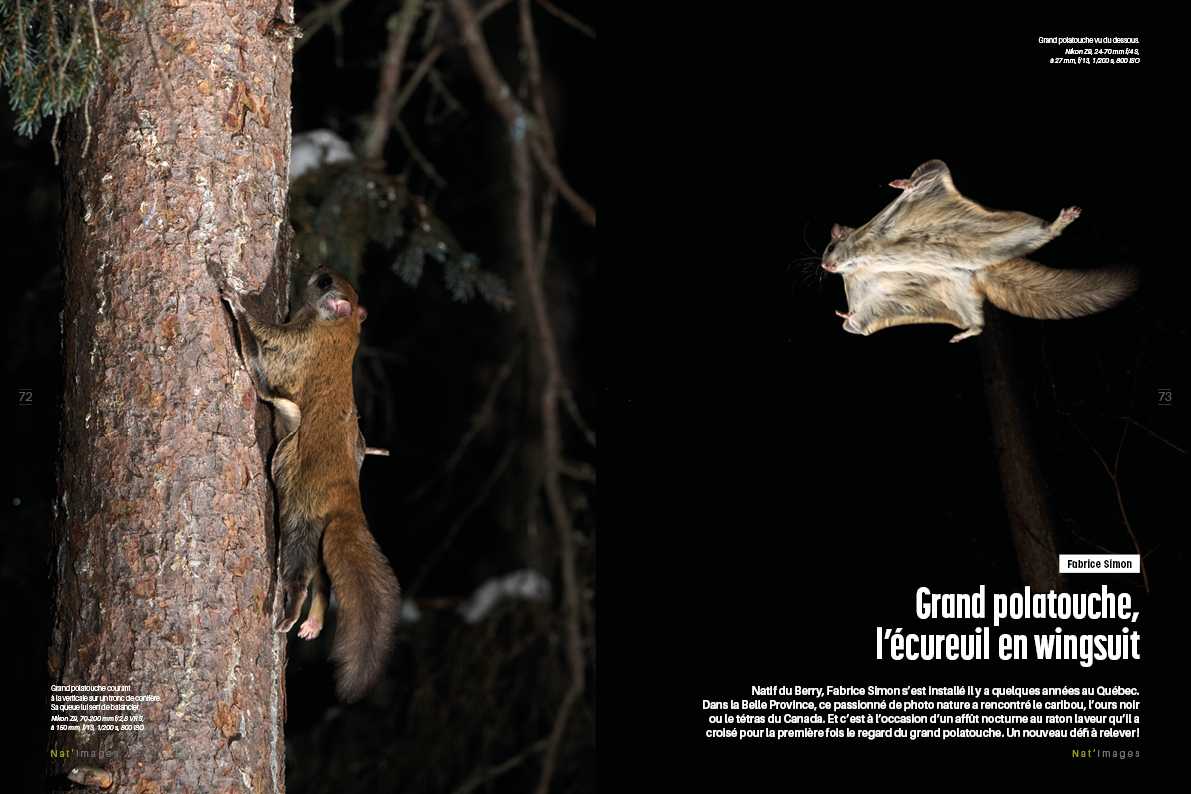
231,296
1065,218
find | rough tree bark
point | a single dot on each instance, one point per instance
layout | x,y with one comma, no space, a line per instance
163,539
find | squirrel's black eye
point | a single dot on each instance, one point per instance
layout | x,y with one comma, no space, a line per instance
325,283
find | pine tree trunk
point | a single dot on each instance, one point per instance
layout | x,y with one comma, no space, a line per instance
163,540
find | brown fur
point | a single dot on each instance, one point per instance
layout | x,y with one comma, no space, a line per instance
304,369
933,256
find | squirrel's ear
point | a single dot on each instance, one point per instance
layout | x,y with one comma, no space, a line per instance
360,310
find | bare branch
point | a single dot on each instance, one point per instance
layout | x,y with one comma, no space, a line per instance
500,96
583,28
502,100
449,536
313,22
482,776
401,28
479,420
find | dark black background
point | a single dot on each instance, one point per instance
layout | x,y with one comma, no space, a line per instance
797,483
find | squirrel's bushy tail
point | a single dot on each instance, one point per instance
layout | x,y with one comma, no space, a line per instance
1028,289
369,605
